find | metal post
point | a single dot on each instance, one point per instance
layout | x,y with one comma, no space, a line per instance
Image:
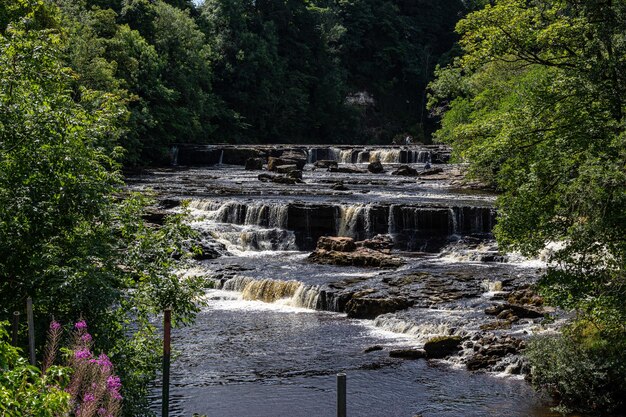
31,330
341,395
16,326
167,328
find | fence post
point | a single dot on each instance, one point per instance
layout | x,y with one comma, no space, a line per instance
341,395
167,328
31,330
16,327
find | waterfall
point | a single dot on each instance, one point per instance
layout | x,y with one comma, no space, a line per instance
292,293
174,155
387,156
221,160
421,330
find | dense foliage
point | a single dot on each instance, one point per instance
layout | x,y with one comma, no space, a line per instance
536,105
69,237
259,71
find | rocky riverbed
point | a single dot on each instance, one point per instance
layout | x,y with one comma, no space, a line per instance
339,230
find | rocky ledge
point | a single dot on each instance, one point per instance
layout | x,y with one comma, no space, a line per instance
345,251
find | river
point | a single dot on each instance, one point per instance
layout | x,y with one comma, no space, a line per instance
274,330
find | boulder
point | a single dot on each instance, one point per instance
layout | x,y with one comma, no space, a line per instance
442,346
369,308
375,167
273,162
374,348
284,169
378,242
325,163
407,353
405,170
341,244
279,179
297,175
525,311
339,186
361,257
254,164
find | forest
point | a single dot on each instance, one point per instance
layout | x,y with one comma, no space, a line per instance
529,94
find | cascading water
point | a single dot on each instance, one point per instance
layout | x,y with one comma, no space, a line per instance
272,328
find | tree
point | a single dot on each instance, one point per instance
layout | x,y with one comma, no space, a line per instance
69,236
536,105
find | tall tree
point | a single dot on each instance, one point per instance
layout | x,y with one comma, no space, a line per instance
536,105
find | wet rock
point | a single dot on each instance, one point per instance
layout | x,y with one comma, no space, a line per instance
525,312
278,179
497,353
285,169
432,171
378,242
341,244
155,215
339,186
526,296
494,310
254,164
297,175
369,308
325,164
373,349
496,325
169,203
274,162
406,171
480,361
210,250
442,346
408,353
361,257
375,167
346,170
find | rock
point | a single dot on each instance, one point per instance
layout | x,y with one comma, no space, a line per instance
496,325
361,257
338,186
210,250
155,215
285,169
297,175
432,171
524,311
254,164
405,170
279,179
378,242
442,346
325,163
273,162
375,167
407,353
341,244
526,296
369,308
346,170
480,361
494,310
373,349
169,203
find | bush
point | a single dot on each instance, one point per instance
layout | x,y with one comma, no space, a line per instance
582,370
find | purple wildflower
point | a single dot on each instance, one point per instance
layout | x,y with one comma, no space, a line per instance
82,354
55,325
102,411
86,338
89,397
81,325
113,385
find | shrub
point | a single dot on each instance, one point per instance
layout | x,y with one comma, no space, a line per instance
582,370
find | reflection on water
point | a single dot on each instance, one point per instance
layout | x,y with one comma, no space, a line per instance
248,358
